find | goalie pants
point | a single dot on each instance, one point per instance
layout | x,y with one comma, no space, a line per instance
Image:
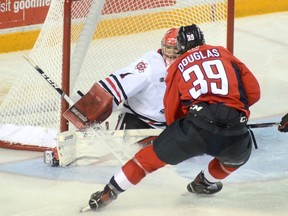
130,121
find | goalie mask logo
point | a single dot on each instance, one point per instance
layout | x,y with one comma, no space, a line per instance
141,66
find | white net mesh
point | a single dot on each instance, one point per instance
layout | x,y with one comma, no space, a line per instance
120,31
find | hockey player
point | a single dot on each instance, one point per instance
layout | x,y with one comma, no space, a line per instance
207,100
140,87
283,126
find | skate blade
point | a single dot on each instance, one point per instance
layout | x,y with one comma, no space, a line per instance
85,209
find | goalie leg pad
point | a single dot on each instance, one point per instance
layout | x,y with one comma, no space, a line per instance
94,106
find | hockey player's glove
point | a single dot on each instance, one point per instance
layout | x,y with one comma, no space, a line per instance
283,126
94,107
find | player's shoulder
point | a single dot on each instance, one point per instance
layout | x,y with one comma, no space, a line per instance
150,63
209,46
220,50
151,56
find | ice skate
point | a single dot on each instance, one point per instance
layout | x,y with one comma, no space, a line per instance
102,198
201,185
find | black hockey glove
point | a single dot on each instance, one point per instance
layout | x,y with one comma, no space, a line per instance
283,126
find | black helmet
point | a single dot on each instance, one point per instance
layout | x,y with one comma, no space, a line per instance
189,37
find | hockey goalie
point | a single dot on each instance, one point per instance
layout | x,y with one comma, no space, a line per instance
94,107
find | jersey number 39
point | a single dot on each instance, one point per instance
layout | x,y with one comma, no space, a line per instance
215,79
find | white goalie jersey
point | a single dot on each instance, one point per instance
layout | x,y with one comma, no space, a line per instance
140,87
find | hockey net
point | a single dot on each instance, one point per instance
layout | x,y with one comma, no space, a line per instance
105,36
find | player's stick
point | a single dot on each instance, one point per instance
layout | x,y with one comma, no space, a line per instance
263,125
46,77
156,132
260,125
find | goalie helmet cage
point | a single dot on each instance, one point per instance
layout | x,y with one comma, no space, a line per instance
85,40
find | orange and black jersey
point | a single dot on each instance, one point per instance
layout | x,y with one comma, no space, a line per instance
208,74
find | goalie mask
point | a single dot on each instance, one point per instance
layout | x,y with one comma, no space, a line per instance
169,46
189,37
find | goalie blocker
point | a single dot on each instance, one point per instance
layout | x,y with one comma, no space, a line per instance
94,106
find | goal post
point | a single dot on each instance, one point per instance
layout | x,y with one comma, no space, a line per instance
66,61
230,25
85,40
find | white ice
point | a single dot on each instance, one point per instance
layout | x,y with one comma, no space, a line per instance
28,187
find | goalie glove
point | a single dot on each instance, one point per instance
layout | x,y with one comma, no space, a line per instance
94,107
283,126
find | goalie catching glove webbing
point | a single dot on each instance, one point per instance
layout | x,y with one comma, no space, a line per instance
94,107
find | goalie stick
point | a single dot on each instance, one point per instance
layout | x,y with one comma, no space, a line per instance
47,78
93,107
77,112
